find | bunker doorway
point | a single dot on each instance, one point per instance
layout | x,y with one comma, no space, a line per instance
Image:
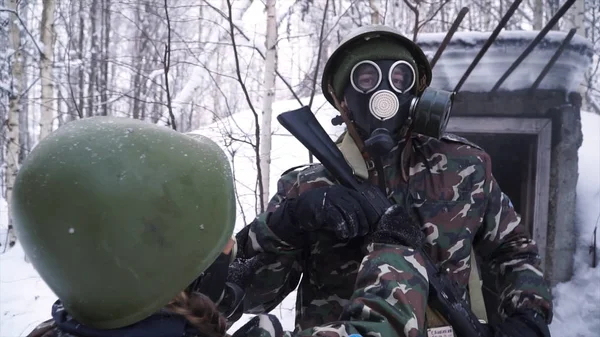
520,149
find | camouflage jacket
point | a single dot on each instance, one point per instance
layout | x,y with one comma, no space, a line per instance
381,276
460,206
378,305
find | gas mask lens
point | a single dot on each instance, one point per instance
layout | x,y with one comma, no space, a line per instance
402,77
365,76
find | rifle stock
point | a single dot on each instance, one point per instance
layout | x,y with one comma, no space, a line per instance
443,295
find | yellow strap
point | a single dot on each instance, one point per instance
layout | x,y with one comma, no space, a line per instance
475,293
434,319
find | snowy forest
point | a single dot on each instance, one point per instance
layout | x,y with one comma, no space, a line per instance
217,67
186,64
226,68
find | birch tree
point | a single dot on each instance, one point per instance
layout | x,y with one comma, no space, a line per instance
5,89
24,132
46,68
14,108
269,94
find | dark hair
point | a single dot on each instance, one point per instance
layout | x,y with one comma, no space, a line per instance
200,311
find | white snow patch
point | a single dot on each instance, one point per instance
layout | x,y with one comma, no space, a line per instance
577,302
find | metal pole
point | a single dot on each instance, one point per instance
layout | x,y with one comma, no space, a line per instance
534,43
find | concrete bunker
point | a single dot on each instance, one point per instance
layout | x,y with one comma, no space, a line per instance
530,124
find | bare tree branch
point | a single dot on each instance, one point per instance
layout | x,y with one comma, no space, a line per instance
167,65
314,80
435,13
415,10
249,101
260,52
24,26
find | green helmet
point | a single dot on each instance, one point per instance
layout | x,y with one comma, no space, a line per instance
374,42
119,215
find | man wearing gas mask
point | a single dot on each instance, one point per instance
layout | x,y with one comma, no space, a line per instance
447,201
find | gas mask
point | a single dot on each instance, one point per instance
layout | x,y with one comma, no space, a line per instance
383,104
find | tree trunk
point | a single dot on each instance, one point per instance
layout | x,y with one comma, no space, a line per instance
579,17
538,14
24,142
4,83
105,58
269,95
46,65
12,120
81,63
93,68
374,12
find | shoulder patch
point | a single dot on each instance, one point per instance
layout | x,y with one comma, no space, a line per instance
294,168
458,139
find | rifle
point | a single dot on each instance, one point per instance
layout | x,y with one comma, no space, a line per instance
443,295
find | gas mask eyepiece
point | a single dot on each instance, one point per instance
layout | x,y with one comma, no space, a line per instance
384,104
382,97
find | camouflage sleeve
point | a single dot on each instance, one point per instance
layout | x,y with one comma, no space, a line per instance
389,299
505,244
257,237
268,268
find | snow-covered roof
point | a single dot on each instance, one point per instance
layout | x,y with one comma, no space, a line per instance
566,74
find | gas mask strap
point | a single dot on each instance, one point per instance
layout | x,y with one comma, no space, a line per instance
349,125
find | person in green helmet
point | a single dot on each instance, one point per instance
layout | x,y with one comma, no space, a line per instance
378,80
113,214
120,217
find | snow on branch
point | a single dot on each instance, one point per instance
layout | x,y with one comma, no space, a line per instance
195,81
35,42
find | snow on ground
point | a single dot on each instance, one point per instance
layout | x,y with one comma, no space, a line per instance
577,312
25,300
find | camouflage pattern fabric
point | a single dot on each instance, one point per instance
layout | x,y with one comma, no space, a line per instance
388,278
454,194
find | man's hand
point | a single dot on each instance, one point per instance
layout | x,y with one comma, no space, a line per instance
397,227
337,209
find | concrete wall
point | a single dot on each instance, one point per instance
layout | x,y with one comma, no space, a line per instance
566,140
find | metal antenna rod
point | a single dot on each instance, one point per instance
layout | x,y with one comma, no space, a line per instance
535,42
488,43
553,60
461,15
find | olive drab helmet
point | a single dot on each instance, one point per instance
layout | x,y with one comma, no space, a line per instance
394,109
369,33
118,215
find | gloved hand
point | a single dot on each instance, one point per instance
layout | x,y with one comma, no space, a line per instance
212,281
397,227
340,210
524,323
